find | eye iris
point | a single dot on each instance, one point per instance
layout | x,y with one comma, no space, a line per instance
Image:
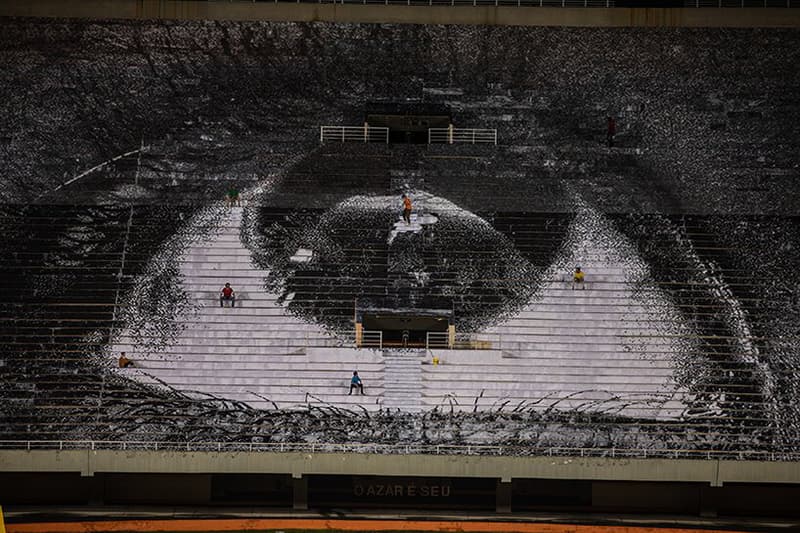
448,258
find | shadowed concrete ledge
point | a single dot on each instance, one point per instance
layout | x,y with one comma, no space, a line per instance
712,471
352,13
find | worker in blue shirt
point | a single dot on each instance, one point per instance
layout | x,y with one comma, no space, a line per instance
355,382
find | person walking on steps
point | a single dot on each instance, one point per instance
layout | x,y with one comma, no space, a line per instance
355,383
227,295
232,197
406,209
577,279
611,131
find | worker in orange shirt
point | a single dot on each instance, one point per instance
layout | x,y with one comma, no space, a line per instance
406,209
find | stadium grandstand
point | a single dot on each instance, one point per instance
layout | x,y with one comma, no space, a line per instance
487,265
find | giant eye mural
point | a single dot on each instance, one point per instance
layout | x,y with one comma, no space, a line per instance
121,242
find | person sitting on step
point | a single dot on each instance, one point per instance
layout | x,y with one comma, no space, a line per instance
227,295
355,383
577,278
124,362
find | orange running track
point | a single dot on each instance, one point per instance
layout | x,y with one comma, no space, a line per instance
267,524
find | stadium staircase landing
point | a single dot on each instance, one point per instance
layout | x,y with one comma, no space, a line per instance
403,379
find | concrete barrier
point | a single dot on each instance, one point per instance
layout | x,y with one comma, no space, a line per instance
353,13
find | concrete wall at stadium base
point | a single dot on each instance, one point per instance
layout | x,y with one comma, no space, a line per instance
341,13
354,481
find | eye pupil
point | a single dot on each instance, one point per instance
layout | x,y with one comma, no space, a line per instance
365,250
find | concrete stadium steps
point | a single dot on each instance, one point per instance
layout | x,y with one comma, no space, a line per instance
586,350
548,378
562,151
259,337
195,344
591,332
203,281
279,371
334,171
256,341
595,328
575,338
639,334
466,379
564,342
277,388
254,332
320,377
403,379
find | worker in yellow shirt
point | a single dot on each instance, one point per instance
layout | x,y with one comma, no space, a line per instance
577,279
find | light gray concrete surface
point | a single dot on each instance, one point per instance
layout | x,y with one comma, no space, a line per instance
88,462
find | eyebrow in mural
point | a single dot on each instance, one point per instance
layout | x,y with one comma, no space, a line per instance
224,197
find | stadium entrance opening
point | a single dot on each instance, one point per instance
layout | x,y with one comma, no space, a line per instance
410,328
408,128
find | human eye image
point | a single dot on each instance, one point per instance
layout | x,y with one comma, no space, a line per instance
527,237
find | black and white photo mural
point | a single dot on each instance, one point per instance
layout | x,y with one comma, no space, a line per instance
147,164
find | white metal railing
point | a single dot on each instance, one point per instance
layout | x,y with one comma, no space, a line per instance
462,136
371,339
399,448
358,134
437,339
496,3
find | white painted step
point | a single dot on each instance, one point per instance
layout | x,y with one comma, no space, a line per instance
403,379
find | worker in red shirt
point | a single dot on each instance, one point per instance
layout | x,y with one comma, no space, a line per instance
227,294
407,209
612,130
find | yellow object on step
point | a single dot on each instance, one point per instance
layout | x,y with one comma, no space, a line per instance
2,524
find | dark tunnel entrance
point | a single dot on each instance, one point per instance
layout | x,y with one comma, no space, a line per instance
408,122
408,129
411,328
